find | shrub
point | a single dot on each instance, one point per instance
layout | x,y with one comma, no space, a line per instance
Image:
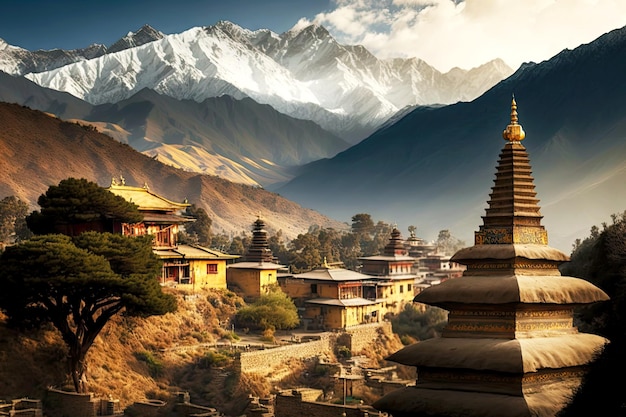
416,324
211,359
155,365
268,335
274,310
344,352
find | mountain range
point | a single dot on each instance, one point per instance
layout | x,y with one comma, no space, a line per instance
239,140
434,167
209,116
202,101
304,73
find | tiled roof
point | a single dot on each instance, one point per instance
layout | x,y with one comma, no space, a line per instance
333,274
145,199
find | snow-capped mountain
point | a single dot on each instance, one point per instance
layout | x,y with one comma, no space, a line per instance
303,73
144,35
18,61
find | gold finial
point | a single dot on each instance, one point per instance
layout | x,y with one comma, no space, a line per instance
514,131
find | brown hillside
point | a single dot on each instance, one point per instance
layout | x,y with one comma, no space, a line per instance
37,150
134,359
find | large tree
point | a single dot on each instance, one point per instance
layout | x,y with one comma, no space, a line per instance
77,202
362,224
79,285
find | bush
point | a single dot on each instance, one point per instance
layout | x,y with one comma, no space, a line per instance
155,366
268,335
344,352
274,310
211,359
413,323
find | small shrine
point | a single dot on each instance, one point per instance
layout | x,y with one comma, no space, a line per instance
256,274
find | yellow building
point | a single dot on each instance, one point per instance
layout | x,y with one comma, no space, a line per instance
194,267
190,266
257,272
395,281
332,298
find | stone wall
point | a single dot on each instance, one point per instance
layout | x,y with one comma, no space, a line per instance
63,404
23,407
357,338
382,388
361,336
263,361
152,408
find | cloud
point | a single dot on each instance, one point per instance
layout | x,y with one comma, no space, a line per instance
468,33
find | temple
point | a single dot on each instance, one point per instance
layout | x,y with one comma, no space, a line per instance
256,274
510,347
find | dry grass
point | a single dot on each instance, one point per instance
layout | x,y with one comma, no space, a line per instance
32,361
137,359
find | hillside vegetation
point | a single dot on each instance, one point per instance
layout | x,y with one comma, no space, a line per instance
137,359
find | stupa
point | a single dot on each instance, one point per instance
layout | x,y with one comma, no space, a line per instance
510,347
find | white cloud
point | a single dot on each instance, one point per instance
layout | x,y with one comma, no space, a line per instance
468,33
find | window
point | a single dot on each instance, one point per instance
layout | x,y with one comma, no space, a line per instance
401,289
211,268
409,287
313,288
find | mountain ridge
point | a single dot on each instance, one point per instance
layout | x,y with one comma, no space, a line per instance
38,150
225,134
302,73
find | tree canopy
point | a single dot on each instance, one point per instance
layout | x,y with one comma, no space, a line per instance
198,231
78,285
601,259
13,226
274,310
79,201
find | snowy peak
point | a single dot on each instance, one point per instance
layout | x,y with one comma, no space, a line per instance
142,36
304,73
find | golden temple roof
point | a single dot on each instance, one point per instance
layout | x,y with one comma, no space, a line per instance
145,199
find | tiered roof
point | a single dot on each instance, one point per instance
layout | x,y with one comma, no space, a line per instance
510,347
394,250
259,255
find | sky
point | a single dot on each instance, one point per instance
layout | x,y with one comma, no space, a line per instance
444,33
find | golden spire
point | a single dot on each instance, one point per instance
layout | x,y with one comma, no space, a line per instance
514,131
